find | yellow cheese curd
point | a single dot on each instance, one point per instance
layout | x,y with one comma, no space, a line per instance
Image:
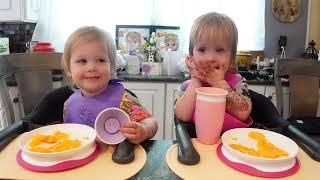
57,142
265,148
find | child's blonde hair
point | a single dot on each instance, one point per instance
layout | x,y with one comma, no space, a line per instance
216,25
90,33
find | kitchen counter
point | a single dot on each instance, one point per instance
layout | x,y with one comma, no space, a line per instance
179,78
157,78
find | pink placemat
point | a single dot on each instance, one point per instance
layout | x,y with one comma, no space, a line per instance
69,164
256,172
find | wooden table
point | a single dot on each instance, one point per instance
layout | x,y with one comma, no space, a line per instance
155,167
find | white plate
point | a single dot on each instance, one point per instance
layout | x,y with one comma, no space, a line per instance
80,132
240,136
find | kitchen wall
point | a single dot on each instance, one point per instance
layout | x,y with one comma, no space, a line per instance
295,32
18,33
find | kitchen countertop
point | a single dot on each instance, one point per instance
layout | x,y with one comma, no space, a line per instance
180,79
157,78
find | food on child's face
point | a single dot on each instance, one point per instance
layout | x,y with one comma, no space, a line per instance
265,148
57,142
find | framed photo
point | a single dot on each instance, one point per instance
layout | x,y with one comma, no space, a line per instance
129,38
170,40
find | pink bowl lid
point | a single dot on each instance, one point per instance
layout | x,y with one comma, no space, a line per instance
108,123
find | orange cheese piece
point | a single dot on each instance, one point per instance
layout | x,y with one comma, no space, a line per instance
265,148
57,142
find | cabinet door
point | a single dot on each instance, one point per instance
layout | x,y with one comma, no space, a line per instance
3,119
19,10
172,92
32,10
271,94
16,103
10,10
151,96
258,88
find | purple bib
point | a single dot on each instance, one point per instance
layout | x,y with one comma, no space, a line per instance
84,110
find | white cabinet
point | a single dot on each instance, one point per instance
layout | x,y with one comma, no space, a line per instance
16,102
152,97
3,122
171,94
19,10
271,94
258,89
3,118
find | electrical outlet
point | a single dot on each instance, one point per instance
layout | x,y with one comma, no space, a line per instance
282,42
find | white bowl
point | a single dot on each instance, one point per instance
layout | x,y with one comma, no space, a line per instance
80,132
240,136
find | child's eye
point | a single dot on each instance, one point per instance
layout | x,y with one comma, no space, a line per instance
101,60
202,50
221,50
82,61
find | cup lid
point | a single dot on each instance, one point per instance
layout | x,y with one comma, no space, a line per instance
108,123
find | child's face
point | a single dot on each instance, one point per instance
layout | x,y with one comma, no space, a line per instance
89,67
218,52
133,43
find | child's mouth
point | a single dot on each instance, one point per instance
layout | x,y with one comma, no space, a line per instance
92,77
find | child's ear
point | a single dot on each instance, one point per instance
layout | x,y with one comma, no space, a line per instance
68,72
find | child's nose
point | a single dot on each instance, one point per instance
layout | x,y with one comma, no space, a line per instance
211,57
91,67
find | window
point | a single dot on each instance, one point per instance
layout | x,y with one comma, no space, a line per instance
59,17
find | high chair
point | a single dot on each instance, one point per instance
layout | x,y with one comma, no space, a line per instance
264,115
42,104
304,76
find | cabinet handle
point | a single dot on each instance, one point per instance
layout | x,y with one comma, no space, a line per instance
15,100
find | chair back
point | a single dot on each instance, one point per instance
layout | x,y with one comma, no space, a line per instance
303,84
32,73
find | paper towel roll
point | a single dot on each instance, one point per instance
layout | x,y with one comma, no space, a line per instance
170,62
133,64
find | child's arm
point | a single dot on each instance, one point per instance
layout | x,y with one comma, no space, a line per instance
142,126
238,100
185,105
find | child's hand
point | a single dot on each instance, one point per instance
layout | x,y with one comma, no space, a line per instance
195,74
210,72
134,132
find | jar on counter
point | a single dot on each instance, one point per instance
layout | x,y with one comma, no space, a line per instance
132,64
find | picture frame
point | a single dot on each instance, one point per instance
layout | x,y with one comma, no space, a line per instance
128,39
169,41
